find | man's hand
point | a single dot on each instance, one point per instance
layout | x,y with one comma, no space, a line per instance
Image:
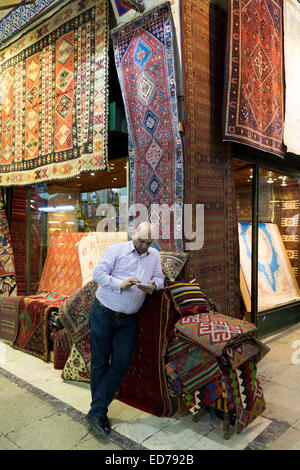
129,282
148,290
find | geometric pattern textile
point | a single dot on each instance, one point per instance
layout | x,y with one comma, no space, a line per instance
214,332
91,248
17,234
18,17
254,75
172,264
53,119
239,353
242,384
76,368
291,18
207,160
8,284
246,416
61,272
33,337
144,58
9,323
73,313
145,385
136,4
155,330
195,366
61,348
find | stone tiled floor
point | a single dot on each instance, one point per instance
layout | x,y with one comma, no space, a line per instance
39,410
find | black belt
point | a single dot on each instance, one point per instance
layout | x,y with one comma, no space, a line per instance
119,314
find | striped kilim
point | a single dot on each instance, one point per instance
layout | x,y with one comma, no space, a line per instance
144,58
186,295
239,353
214,332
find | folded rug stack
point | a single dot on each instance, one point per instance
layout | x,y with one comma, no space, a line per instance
212,360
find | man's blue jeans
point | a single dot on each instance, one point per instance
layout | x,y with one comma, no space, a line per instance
111,338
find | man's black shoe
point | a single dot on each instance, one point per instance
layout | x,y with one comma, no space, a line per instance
96,425
106,425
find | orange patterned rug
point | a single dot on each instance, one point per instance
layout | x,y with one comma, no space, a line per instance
54,118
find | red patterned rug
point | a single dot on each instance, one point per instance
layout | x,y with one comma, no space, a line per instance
144,59
208,160
254,75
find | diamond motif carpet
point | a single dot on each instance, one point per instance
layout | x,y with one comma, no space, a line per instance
254,75
53,120
144,58
33,337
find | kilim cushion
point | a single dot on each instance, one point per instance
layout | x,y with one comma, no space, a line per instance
172,264
185,295
214,331
195,366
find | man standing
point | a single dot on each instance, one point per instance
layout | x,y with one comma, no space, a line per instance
113,316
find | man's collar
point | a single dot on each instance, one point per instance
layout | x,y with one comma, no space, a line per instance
132,248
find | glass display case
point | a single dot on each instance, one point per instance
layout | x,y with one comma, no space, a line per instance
92,202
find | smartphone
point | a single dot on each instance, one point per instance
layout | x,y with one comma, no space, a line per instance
143,285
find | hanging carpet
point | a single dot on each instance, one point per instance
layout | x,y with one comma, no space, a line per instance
53,119
291,18
144,58
254,75
208,160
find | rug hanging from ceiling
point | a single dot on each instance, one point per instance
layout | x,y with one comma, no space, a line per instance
144,58
291,18
253,98
8,284
17,18
155,330
53,119
208,160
